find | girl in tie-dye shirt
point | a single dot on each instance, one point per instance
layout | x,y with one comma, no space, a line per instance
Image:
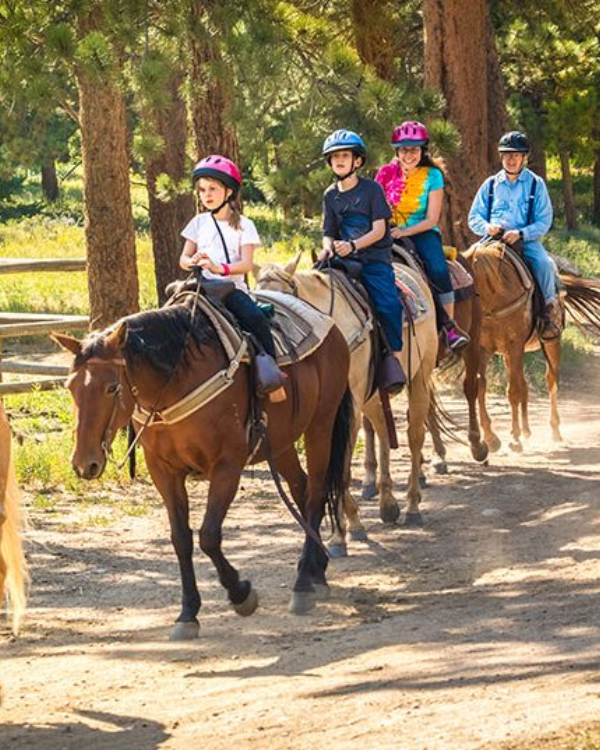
414,187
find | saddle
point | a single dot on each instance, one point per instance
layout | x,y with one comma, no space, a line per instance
538,308
463,284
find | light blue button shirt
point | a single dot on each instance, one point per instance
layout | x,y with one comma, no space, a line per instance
510,206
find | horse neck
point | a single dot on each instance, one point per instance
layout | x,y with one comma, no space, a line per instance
498,282
314,287
155,389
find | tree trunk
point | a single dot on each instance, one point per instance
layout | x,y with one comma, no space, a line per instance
457,63
168,217
497,118
374,36
49,181
109,229
596,204
570,212
213,133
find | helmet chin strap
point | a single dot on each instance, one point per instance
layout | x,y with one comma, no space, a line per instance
227,200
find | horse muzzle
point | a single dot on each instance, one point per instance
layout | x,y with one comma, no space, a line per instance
88,469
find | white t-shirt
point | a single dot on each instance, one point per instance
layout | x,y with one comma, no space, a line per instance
204,234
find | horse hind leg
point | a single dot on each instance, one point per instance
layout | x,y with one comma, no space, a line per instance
419,401
369,489
479,449
491,439
389,510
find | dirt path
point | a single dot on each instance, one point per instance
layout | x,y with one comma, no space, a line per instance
481,629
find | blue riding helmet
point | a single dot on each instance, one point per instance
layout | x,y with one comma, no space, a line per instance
344,140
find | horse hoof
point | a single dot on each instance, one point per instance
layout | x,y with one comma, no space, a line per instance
185,631
302,602
516,446
413,520
389,513
557,437
369,491
322,591
337,550
359,535
441,467
480,452
494,444
248,606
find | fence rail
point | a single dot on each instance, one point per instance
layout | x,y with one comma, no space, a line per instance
15,324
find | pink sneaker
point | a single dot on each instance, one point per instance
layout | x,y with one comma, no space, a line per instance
455,339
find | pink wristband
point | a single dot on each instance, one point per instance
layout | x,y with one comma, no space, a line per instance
226,269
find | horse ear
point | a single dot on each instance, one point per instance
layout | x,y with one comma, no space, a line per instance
293,264
69,343
116,338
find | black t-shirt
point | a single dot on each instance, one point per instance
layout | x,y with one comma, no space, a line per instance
350,214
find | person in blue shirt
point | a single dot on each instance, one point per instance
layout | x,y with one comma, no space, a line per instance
514,204
356,226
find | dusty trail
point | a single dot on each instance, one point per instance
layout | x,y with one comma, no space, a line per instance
481,628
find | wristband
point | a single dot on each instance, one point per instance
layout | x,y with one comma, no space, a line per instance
353,246
521,235
226,269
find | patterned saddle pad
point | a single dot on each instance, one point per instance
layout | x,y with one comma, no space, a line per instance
411,295
462,281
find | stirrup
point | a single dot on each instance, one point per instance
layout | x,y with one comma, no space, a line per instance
390,375
269,377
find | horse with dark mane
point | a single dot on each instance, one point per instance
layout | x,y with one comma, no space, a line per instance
13,570
506,289
194,412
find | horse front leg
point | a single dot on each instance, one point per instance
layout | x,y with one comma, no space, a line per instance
517,394
492,440
389,510
471,357
224,482
174,494
552,352
419,398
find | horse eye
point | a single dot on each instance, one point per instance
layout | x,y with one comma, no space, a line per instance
112,389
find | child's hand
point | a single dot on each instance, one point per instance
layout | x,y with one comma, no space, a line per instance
324,254
342,248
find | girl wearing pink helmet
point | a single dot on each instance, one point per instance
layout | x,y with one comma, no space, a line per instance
221,241
414,186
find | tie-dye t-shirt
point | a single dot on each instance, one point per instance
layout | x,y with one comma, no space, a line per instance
408,195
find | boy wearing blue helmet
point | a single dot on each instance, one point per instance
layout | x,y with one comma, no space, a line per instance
356,225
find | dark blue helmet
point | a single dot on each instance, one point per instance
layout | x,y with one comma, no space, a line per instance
514,142
344,140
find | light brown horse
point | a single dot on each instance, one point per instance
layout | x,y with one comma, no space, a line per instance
13,570
508,329
152,361
316,287
468,317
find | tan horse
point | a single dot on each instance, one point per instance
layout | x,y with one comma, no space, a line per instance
508,329
13,573
315,287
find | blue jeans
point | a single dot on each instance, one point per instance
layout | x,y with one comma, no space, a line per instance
379,281
429,248
543,268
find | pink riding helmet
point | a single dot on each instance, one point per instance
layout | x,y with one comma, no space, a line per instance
410,133
219,168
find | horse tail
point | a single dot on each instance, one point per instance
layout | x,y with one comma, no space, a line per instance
583,302
441,421
13,569
341,446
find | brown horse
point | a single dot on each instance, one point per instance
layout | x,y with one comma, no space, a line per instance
318,289
13,570
508,328
138,363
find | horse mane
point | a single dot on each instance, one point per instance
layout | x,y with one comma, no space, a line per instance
488,259
157,338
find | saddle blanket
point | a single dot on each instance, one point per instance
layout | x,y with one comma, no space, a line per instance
412,296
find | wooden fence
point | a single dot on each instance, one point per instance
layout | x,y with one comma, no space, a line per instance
33,324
